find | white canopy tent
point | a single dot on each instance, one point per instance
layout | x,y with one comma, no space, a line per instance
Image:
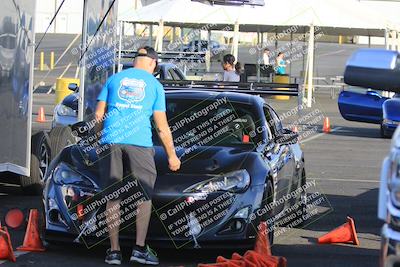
334,17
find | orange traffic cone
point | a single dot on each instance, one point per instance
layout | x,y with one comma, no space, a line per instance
6,249
32,241
41,117
327,126
345,233
263,246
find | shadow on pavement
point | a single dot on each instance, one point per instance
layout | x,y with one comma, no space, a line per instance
362,208
371,132
327,255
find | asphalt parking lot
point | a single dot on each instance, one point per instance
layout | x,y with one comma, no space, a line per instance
345,165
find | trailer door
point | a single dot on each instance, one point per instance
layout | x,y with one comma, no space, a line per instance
16,72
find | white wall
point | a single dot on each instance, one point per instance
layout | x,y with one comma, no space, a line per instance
69,19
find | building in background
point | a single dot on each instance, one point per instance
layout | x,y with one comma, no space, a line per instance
69,18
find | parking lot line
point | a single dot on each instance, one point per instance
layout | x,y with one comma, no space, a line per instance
346,180
319,135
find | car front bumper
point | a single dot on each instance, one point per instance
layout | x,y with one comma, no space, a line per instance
61,227
390,242
389,129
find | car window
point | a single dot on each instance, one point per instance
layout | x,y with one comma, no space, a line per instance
277,121
211,123
273,121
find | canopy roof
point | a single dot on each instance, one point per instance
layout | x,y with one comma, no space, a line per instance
335,17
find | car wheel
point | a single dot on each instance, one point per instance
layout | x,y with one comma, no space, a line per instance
40,159
268,197
60,137
383,134
302,198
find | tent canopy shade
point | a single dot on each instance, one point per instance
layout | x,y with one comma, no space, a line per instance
334,17
266,28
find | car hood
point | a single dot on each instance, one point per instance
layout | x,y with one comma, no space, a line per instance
205,160
391,109
199,165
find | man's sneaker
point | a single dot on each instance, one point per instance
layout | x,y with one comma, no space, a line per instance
113,257
148,256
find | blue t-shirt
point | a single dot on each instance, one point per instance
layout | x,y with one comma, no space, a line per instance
281,69
131,96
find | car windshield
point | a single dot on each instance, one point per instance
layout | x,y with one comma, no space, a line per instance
216,122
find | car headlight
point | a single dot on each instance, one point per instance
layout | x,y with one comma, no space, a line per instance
395,196
395,165
65,175
63,110
235,182
386,121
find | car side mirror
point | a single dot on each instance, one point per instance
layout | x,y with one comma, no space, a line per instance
375,69
73,87
287,137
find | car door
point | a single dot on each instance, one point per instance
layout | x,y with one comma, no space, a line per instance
360,104
280,158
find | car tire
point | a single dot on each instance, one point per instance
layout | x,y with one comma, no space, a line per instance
40,160
268,197
60,137
383,134
303,198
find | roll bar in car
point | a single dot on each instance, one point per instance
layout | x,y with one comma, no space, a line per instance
256,88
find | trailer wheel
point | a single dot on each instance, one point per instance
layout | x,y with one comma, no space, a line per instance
60,137
40,160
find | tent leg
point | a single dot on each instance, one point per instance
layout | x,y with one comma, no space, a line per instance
235,44
369,41
151,35
121,28
209,52
291,48
259,54
310,66
302,50
182,36
387,39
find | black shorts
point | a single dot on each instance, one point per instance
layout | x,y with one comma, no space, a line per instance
121,163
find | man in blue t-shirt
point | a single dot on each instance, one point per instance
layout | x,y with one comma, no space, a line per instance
125,105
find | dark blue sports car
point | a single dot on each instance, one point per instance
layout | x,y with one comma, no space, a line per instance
239,167
363,105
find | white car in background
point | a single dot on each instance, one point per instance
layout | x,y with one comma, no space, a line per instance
380,69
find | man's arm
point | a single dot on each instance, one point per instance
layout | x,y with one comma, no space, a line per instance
100,110
160,119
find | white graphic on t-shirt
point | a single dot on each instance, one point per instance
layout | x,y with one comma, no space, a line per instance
131,90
